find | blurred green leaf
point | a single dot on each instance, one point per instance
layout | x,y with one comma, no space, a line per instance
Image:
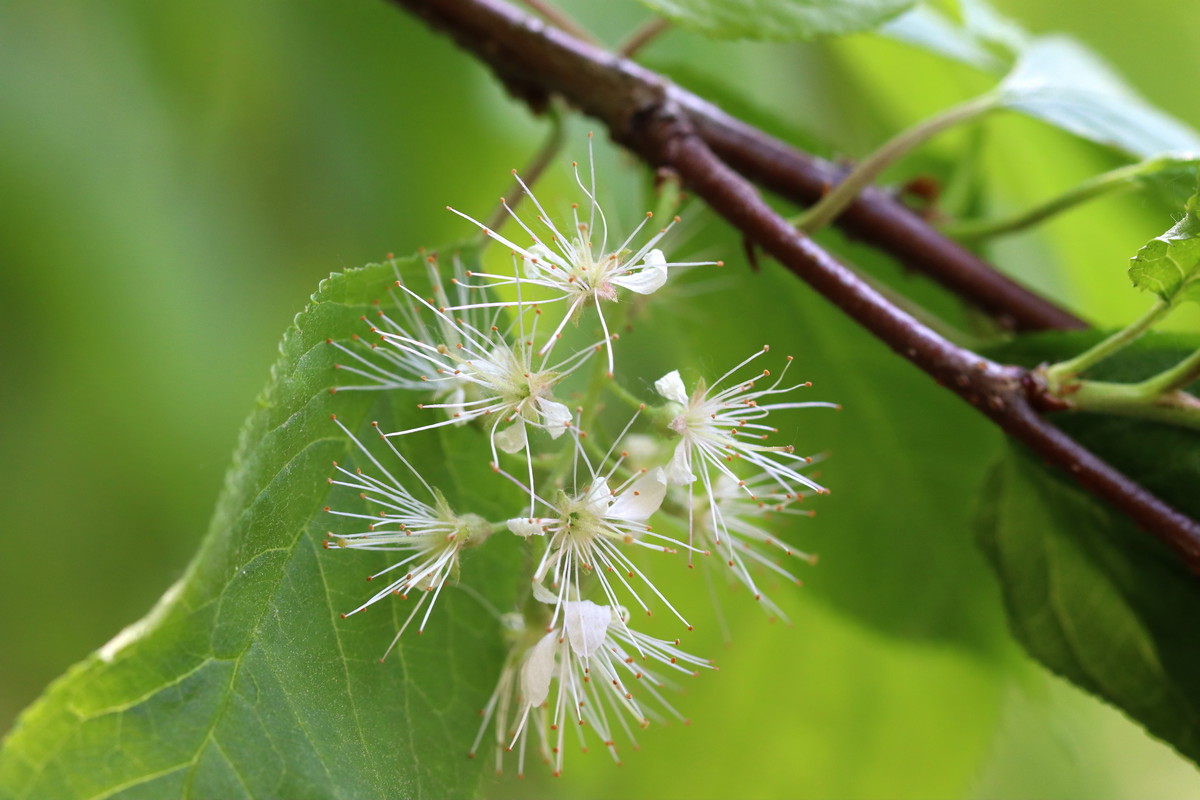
1093,598
993,28
978,35
917,719
1098,601
929,29
1055,79
1169,265
1063,83
777,20
244,681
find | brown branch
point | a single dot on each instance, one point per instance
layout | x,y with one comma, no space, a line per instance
535,60
1002,393
558,18
671,128
878,220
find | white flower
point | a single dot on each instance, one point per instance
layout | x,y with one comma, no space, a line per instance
386,368
595,661
587,530
734,524
575,268
717,426
432,536
492,377
507,701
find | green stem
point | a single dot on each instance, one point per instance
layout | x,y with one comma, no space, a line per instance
1172,379
1134,400
1057,375
1121,179
670,195
626,396
867,170
659,414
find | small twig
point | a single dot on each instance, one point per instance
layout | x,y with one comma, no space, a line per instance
642,37
533,170
1117,180
751,251
871,167
560,20
1121,179
1159,397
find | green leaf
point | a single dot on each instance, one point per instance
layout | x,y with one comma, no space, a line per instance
1063,83
1096,600
993,28
1169,265
1055,79
929,29
777,20
983,38
244,681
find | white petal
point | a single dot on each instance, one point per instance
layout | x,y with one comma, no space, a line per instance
524,528
555,416
648,278
512,439
586,625
679,472
670,386
642,498
598,498
538,667
544,595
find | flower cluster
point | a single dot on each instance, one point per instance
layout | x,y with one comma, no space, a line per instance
598,669
692,475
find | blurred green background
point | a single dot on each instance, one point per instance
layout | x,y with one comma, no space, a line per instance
175,179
